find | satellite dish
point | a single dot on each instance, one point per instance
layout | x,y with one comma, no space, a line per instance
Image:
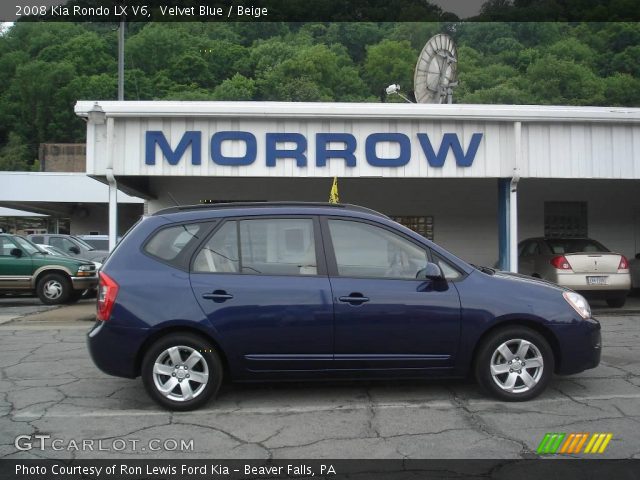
436,72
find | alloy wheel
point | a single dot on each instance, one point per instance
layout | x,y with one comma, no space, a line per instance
516,366
180,373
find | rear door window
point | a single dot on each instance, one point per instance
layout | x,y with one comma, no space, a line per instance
167,243
267,246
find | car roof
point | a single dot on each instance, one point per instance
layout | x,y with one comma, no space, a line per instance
264,208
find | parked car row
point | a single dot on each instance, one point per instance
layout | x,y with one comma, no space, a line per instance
55,279
71,245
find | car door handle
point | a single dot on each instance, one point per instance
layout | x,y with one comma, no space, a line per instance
354,298
217,296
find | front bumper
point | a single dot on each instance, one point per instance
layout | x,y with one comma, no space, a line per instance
581,347
84,283
115,349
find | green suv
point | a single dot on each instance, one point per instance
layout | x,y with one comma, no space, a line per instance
24,267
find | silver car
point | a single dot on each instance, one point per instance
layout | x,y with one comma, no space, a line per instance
581,264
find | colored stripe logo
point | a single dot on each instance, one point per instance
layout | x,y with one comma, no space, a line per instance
568,443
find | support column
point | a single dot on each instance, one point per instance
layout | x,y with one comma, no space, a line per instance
513,223
513,200
504,218
113,185
508,223
113,209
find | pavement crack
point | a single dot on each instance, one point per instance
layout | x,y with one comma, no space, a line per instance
478,424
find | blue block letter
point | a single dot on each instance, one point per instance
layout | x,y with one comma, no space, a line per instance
153,138
298,153
323,154
401,139
216,148
450,141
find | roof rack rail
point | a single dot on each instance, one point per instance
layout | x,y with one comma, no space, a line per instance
215,206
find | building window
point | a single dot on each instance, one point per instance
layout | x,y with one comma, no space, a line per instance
421,225
565,219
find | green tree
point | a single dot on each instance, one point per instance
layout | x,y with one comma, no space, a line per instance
388,62
561,82
15,154
621,90
237,87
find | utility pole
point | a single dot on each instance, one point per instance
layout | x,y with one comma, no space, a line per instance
121,60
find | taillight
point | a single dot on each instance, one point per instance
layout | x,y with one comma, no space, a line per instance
561,263
624,264
107,292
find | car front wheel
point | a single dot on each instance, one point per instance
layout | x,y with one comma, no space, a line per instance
514,364
182,371
53,289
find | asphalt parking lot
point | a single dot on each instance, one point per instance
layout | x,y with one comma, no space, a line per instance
49,386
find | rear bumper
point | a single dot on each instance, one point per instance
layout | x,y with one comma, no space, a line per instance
115,349
578,281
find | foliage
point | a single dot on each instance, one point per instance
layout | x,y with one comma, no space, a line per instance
46,67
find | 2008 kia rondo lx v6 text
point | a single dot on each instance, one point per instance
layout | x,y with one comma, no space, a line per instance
270,291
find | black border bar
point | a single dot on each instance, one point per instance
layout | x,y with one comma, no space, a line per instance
317,10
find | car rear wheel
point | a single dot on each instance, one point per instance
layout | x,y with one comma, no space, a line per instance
182,371
514,364
616,302
53,289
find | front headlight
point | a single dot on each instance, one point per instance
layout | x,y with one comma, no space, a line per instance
86,270
579,303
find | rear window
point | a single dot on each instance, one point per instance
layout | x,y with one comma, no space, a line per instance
166,244
98,244
575,245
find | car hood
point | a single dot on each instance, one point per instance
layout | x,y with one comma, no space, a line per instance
73,263
98,255
518,277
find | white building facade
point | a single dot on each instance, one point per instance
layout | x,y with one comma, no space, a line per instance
474,178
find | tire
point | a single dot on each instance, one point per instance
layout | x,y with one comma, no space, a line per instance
501,386
617,302
75,296
54,289
208,367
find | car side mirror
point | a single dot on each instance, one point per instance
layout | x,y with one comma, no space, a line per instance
74,250
431,271
16,252
637,256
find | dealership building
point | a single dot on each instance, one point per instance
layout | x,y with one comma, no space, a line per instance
474,178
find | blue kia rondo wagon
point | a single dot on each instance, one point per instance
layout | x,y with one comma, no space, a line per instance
280,291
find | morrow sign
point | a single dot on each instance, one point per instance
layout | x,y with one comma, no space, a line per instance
324,148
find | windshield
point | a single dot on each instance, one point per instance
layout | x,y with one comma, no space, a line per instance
55,251
83,243
27,246
575,245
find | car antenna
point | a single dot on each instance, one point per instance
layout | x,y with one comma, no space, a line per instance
173,198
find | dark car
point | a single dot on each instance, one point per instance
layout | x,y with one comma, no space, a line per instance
284,291
25,268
